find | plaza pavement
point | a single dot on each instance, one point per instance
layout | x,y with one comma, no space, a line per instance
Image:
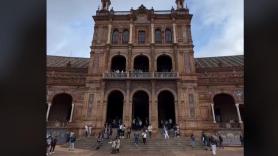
227,151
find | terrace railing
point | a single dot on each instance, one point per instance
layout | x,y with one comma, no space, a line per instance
140,75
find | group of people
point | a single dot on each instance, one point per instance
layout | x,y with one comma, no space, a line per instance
50,144
211,142
138,124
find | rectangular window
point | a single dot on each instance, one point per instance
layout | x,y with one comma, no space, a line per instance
141,37
90,105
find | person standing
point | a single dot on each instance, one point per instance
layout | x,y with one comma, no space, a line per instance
220,141
48,144
72,141
86,130
241,139
140,123
128,132
166,135
192,140
118,144
150,130
90,130
213,145
144,136
136,137
113,143
123,131
53,144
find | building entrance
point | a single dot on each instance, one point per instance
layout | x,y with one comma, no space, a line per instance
166,109
114,112
140,109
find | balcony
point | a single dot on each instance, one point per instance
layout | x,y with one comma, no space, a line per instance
140,75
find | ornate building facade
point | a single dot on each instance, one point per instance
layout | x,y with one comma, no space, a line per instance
142,65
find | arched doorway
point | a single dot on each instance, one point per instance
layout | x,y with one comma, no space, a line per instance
164,63
114,112
140,109
166,108
224,108
141,63
118,63
60,109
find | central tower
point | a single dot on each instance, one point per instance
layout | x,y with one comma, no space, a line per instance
142,67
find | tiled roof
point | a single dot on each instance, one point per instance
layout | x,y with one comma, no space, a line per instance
206,62
220,61
62,61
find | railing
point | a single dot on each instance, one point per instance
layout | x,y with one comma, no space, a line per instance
141,75
228,125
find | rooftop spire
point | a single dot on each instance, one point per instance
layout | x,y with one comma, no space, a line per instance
180,4
105,4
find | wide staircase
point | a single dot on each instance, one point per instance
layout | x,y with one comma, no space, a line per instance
157,143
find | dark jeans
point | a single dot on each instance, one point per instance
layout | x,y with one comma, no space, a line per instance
52,148
144,140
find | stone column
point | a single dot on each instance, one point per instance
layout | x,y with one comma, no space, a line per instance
48,109
126,110
174,32
109,34
130,33
213,115
152,33
238,113
154,113
71,114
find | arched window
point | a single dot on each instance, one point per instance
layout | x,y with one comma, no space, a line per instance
168,36
141,37
158,36
115,37
125,37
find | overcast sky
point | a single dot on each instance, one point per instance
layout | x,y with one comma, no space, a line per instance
217,25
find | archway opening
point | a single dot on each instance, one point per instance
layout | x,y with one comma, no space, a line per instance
140,109
224,108
164,63
115,104
166,109
118,63
141,63
60,109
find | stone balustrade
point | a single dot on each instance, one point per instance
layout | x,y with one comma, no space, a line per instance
140,75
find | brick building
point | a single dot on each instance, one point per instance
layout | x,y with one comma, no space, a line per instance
142,65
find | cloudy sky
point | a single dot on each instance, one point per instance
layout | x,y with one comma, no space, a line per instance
217,25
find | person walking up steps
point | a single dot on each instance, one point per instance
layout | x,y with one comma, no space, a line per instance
166,135
150,130
144,136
